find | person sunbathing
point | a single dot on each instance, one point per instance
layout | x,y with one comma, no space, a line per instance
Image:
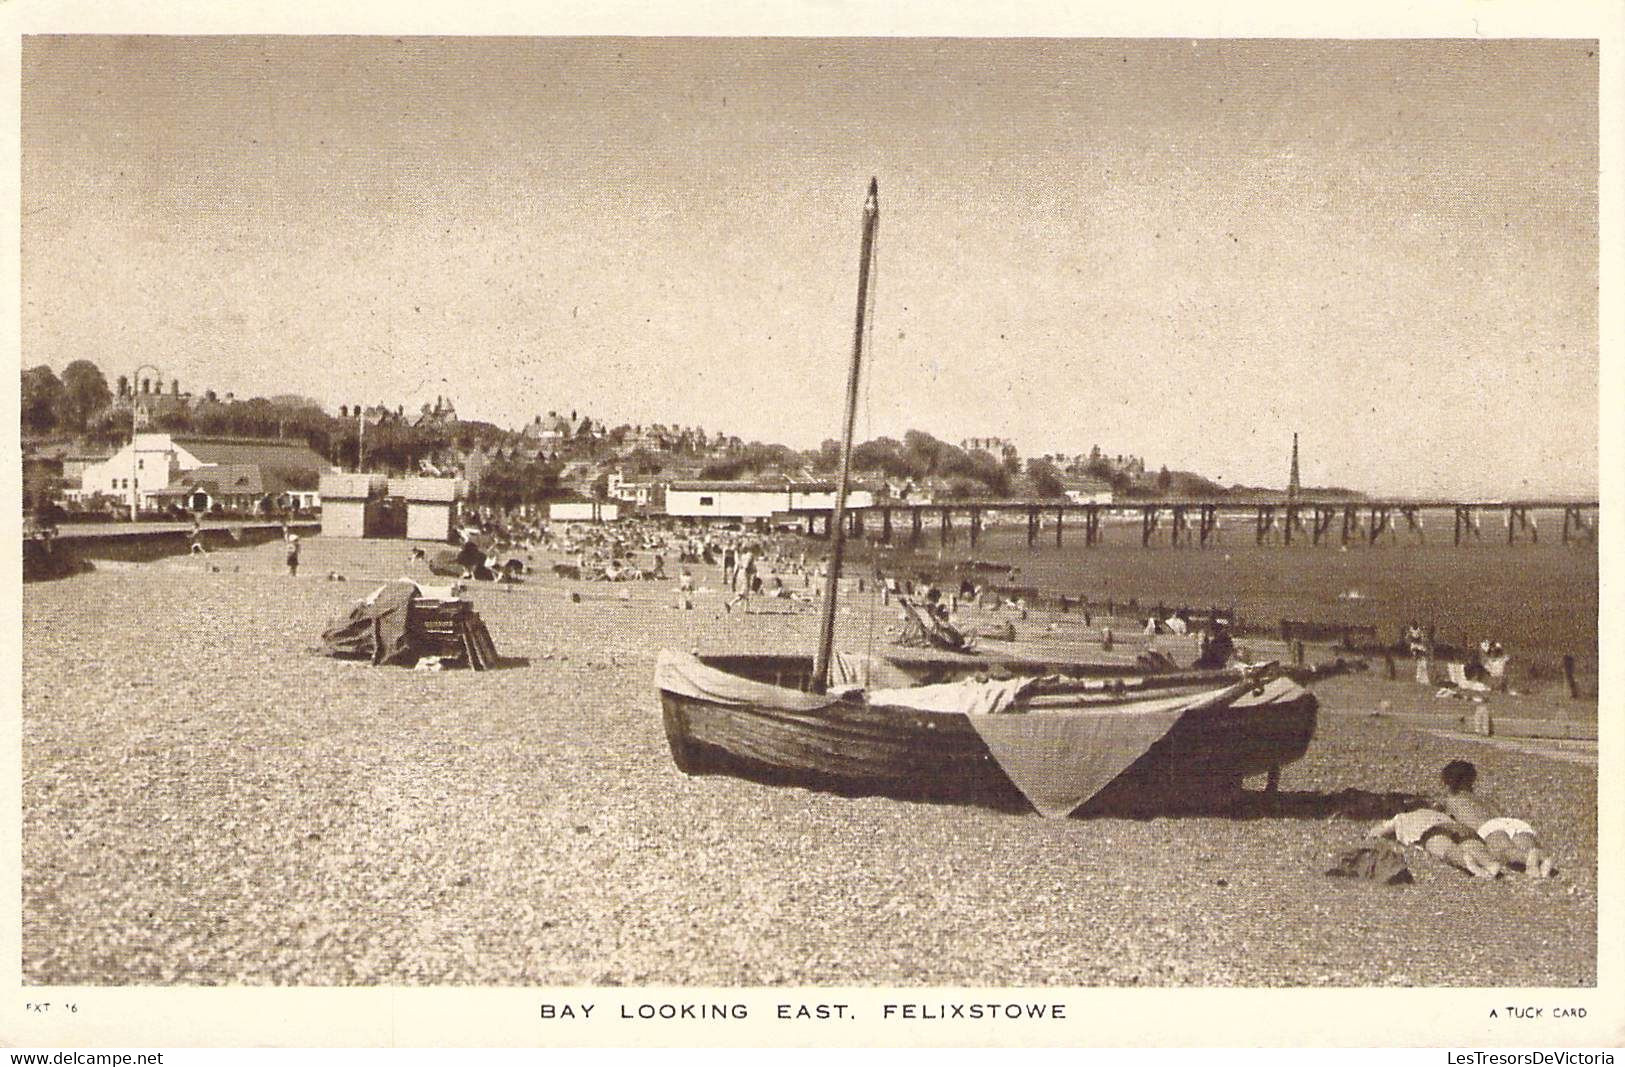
1511,841
1441,837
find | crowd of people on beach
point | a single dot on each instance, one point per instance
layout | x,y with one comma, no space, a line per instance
1481,669
1459,827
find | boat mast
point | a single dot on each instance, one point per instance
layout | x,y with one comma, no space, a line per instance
826,633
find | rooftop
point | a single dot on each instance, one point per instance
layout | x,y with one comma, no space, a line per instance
265,452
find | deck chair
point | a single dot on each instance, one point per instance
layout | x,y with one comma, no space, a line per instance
923,629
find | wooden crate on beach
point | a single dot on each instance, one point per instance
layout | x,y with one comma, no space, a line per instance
452,628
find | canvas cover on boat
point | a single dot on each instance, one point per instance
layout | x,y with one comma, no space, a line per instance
969,697
858,669
1061,757
1057,757
376,626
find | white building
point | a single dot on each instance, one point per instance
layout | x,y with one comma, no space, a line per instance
583,511
1084,489
755,500
139,473
640,491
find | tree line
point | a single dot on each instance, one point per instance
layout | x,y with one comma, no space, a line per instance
919,457
81,402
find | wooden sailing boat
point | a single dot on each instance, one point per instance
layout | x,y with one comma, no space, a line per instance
944,729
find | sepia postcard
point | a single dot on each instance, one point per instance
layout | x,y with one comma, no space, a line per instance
835,527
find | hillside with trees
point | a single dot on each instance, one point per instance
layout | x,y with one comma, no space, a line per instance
560,456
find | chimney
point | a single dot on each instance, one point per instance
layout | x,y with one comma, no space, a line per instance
174,387
146,386
1292,485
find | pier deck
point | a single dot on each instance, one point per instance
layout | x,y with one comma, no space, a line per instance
1195,522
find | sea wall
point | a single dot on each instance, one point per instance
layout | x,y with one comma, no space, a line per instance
71,553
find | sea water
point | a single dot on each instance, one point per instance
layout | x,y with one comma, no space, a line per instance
1540,600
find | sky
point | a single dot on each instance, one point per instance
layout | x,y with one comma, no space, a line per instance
1183,250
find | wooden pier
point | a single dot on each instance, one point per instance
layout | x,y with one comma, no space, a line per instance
1197,523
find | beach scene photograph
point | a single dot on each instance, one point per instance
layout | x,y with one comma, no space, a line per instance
809,512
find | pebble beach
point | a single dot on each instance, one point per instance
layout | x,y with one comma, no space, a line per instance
206,800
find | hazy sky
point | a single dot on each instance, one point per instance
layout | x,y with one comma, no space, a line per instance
1184,250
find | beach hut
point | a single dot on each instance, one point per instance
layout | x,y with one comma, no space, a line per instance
345,499
430,505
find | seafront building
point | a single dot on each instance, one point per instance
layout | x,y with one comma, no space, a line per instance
755,500
1086,489
201,473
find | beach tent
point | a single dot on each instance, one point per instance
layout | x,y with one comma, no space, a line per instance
400,623
376,627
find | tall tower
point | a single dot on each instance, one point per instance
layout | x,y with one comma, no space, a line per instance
1293,486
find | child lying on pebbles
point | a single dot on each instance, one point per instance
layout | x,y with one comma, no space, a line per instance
1442,838
1509,840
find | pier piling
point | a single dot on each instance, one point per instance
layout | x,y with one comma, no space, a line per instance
1207,521
1179,530
1379,523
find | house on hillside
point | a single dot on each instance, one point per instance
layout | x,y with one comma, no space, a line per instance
382,415
723,445
643,491
148,403
655,438
443,413
554,429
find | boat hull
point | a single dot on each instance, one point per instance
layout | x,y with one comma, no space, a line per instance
854,748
